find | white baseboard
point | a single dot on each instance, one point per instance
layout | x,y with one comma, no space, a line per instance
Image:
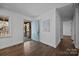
2,47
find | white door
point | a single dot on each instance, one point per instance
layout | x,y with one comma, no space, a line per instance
35,30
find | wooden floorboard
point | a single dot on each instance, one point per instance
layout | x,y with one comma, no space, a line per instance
32,48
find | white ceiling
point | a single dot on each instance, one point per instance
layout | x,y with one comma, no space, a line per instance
32,9
67,11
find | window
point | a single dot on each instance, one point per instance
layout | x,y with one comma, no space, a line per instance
3,26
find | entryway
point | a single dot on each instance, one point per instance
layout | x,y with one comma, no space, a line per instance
27,30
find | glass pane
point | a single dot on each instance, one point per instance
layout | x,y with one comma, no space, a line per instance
3,26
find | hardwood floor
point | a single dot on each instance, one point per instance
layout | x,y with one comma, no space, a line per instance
66,43
29,48
32,48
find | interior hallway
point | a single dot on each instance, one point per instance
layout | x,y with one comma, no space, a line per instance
47,28
34,48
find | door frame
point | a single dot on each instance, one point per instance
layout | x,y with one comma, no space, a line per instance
30,27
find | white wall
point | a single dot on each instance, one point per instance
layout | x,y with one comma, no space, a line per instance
59,28
48,38
76,28
53,37
16,29
67,27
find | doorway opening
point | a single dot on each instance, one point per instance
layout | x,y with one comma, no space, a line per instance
66,16
27,30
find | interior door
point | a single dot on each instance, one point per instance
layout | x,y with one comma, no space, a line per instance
35,30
